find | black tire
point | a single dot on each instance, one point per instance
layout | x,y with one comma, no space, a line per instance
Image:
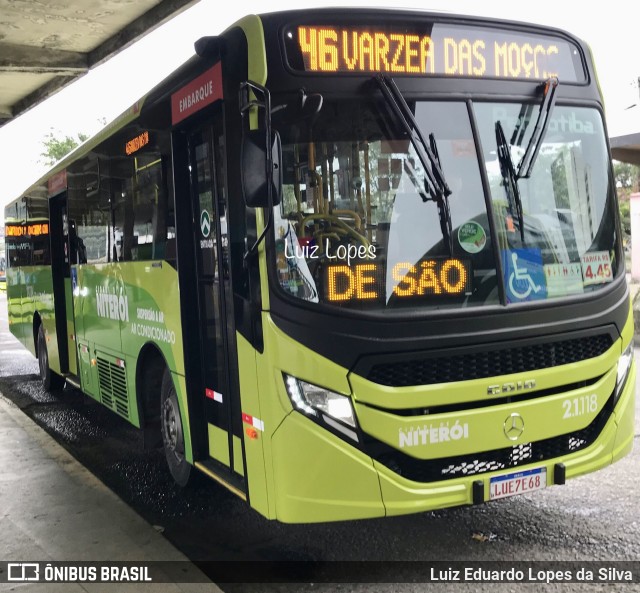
173,433
50,381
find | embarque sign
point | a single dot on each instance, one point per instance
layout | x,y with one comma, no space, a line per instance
200,92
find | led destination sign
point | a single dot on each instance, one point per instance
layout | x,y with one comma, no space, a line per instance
135,144
30,230
445,277
437,49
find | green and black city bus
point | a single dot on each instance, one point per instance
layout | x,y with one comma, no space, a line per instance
346,263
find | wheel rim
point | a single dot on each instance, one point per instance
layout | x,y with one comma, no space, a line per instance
171,426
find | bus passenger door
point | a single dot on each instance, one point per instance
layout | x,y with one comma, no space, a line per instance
61,260
216,385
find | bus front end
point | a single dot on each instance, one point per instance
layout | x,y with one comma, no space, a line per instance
445,314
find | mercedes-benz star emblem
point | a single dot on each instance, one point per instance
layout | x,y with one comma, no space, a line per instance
513,427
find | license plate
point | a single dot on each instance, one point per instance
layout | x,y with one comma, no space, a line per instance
517,483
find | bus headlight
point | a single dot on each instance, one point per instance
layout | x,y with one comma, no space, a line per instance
624,364
332,408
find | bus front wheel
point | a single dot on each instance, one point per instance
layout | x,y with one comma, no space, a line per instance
172,432
50,381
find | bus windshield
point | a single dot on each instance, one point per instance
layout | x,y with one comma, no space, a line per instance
359,226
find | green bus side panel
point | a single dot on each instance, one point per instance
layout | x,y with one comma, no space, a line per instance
15,292
99,326
124,306
120,309
319,479
219,444
151,290
87,371
238,466
30,292
281,353
254,447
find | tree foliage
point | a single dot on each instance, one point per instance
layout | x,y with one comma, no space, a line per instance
625,220
57,147
626,175
627,178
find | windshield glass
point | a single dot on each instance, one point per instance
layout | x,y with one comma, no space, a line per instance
567,243
358,226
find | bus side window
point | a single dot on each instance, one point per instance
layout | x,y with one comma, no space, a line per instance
77,248
88,212
142,216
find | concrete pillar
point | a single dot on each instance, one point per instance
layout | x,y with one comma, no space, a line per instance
635,236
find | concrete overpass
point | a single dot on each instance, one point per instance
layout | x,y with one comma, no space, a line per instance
46,45
626,148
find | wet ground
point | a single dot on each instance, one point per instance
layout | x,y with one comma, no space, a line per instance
595,517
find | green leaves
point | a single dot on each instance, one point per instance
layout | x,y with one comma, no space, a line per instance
55,148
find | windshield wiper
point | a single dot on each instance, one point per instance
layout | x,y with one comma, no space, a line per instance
510,178
525,167
435,183
444,212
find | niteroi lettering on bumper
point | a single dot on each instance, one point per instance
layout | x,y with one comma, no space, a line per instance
431,434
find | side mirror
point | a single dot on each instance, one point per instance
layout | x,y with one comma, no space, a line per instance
257,172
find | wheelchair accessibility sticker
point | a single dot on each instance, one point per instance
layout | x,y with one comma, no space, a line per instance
524,275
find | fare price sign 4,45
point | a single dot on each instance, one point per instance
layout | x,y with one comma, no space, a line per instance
596,268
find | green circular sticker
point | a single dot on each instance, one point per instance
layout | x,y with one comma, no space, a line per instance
472,237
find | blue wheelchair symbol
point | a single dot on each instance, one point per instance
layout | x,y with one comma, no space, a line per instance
524,275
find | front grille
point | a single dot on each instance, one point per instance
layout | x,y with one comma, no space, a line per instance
487,363
434,470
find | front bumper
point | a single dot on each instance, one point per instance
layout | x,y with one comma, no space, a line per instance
322,478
